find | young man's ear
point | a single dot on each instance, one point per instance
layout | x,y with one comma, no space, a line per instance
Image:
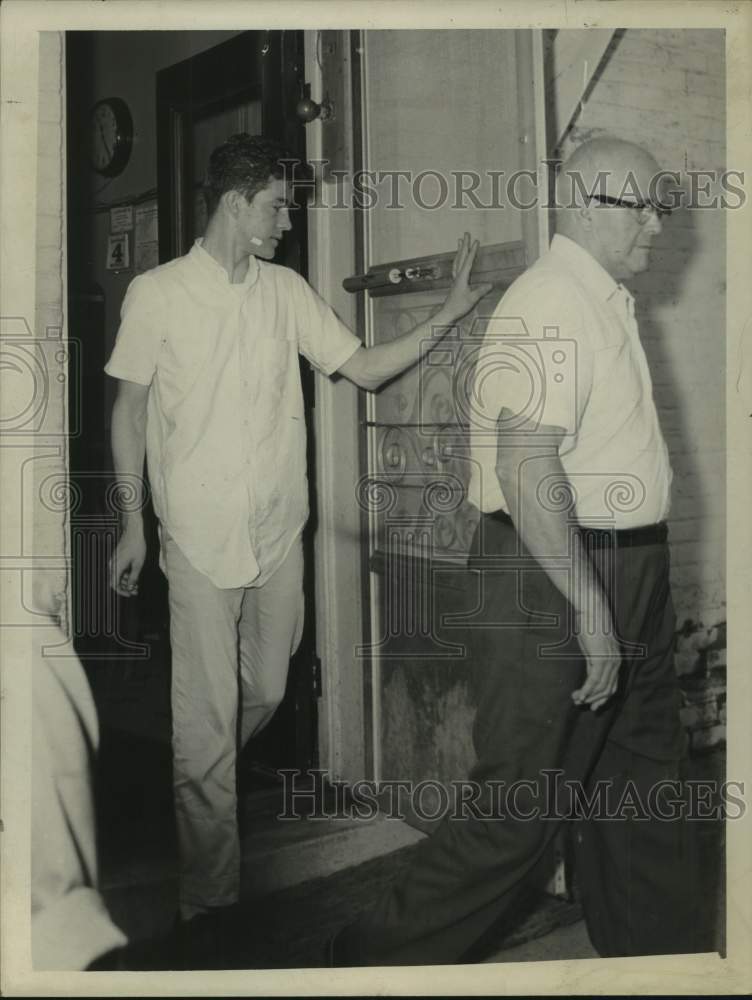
233,202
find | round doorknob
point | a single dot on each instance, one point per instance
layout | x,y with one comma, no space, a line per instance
307,109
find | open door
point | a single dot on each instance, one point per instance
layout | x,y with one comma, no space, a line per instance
459,114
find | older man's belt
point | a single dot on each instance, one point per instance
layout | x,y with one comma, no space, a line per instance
649,534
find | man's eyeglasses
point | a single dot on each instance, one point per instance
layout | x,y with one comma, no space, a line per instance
644,209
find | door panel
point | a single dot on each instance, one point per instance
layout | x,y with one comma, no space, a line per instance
441,105
254,79
452,108
438,103
209,131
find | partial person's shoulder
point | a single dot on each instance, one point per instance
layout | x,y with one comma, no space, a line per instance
59,684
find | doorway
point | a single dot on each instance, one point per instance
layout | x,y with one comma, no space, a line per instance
187,92
249,83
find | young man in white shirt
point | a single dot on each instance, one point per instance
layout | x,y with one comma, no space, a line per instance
209,388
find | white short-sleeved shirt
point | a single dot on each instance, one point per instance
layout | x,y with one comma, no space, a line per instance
563,348
225,435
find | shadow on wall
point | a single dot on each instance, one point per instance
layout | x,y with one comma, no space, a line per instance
660,293
680,303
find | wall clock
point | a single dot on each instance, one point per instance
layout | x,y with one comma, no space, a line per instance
110,136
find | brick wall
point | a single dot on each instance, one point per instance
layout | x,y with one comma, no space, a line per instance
52,497
665,90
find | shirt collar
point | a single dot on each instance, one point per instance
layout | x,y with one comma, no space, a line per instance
587,269
205,260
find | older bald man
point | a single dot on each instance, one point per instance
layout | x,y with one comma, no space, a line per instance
572,647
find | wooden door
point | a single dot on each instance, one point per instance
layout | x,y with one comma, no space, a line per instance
250,83
437,106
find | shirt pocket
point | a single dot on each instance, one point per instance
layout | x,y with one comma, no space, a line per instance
608,363
272,359
618,392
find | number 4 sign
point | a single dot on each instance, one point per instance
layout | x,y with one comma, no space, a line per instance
118,252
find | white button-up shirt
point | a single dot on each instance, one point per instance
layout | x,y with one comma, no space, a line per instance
226,441
563,348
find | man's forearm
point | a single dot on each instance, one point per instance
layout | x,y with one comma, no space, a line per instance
549,536
384,361
128,453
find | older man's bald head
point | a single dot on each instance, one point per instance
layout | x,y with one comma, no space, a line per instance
607,166
599,190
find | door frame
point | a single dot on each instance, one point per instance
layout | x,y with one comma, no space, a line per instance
338,246
338,552
248,66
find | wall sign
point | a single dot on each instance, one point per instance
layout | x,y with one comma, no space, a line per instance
118,252
146,237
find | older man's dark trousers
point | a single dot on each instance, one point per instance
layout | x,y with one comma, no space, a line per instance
636,874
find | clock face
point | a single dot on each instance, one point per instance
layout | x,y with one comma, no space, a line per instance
110,136
103,136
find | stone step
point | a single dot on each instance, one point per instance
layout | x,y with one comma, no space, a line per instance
286,856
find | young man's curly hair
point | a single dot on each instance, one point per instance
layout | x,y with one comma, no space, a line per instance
244,163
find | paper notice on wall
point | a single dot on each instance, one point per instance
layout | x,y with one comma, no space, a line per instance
121,219
146,237
145,256
146,222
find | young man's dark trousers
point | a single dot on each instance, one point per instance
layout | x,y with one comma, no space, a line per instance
635,871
